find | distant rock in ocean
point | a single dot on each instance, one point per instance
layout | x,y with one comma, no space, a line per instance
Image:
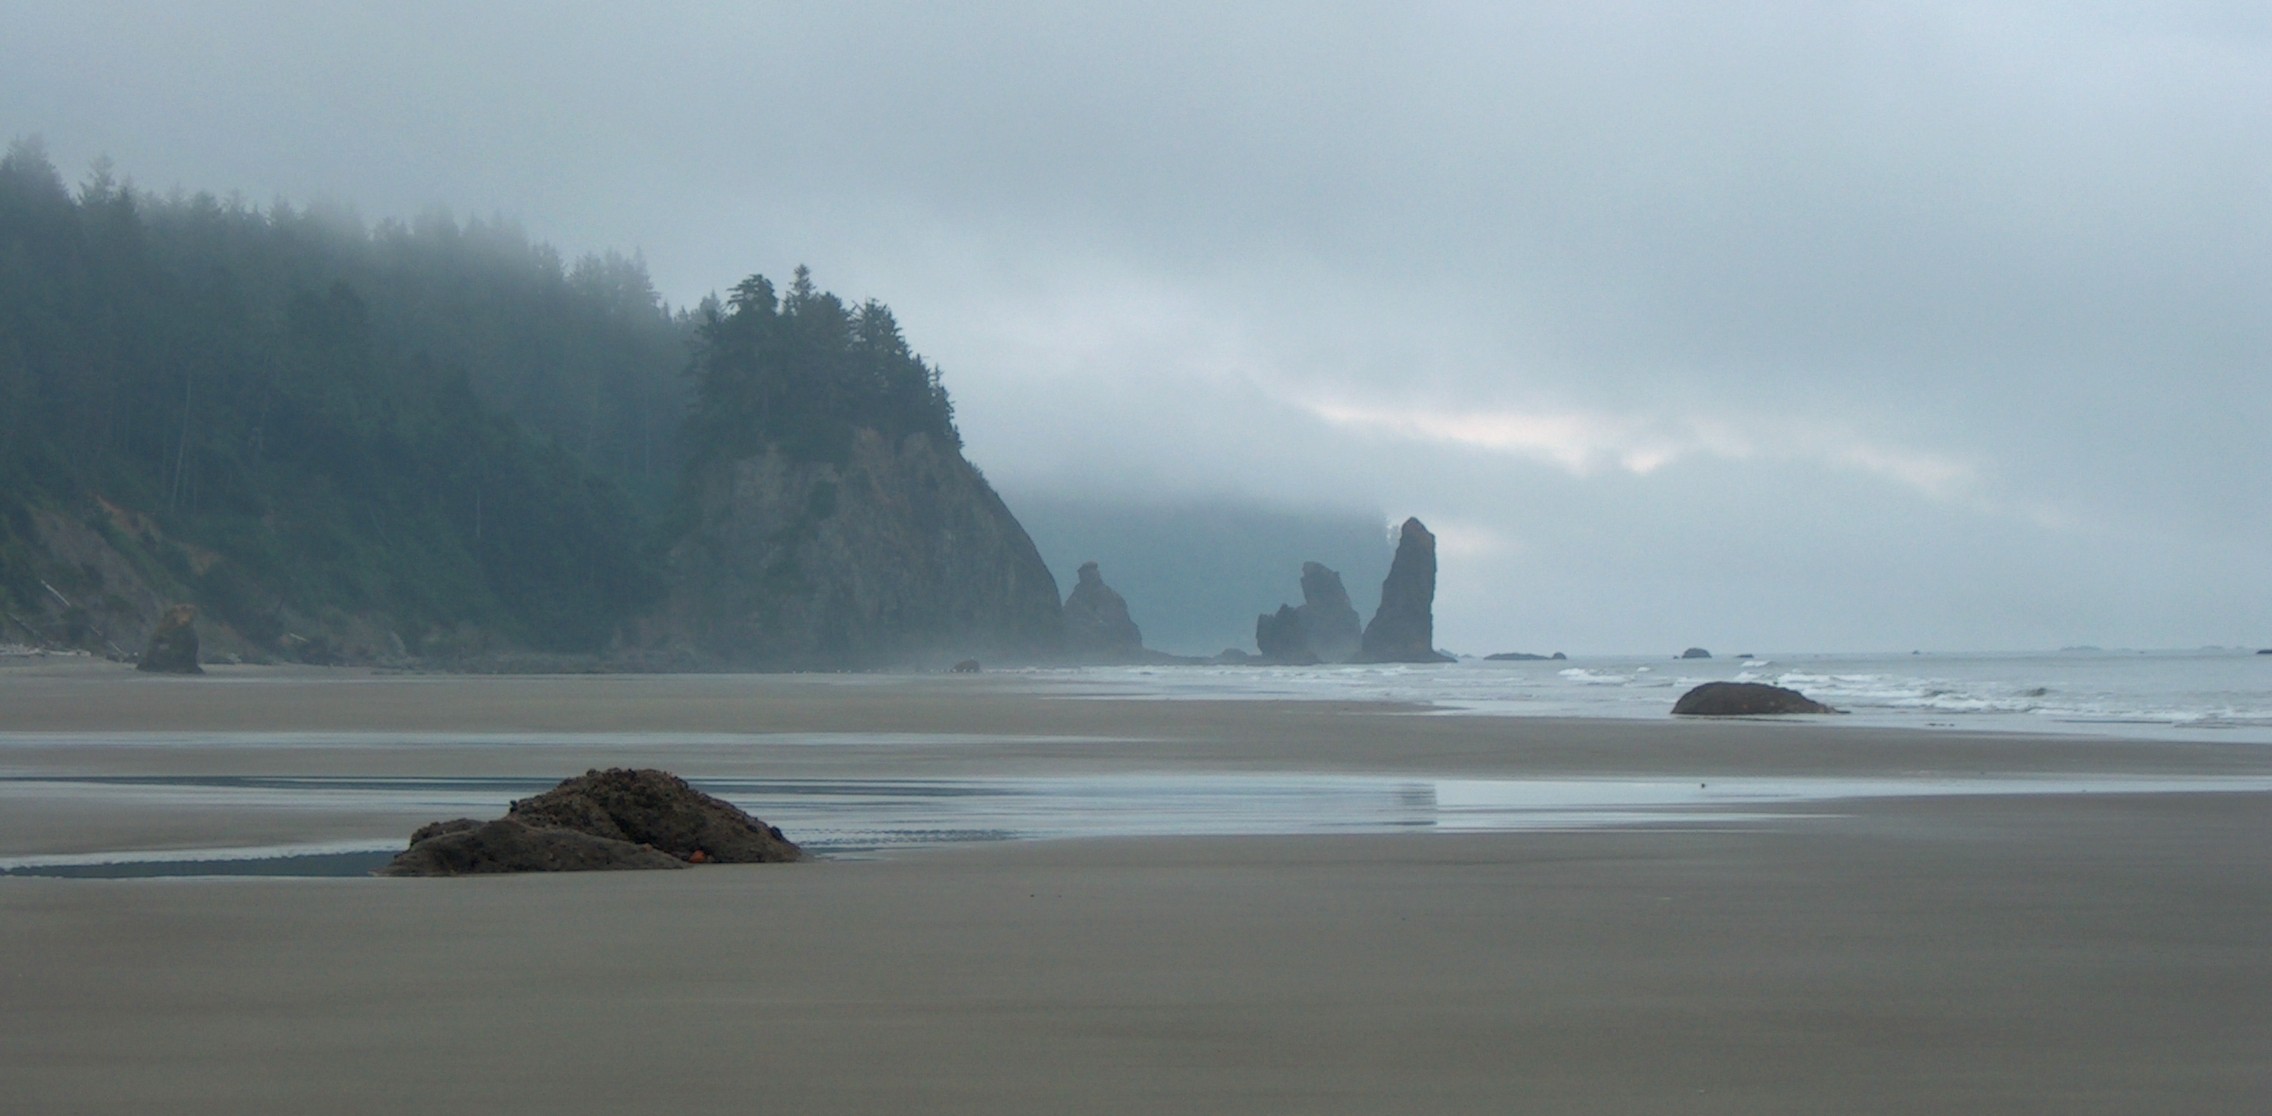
1523,657
2265,651
173,646
1745,699
1097,624
1404,628
1278,638
1329,621
1322,629
1696,653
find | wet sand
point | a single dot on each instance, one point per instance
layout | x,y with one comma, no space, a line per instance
2061,953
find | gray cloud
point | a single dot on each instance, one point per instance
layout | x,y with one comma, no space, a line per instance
1948,320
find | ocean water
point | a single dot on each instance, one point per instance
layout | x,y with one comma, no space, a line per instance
839,818
2189,695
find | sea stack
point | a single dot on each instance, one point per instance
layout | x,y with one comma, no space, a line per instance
1097,624
1322,630
173,647
1404,628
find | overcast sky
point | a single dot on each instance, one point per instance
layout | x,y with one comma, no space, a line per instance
1789,326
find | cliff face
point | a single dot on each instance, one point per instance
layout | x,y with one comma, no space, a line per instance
900,554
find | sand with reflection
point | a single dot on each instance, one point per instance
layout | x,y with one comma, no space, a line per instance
1983,952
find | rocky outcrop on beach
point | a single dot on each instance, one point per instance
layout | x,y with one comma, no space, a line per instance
898,553
602,820
173,645
656,808
1404,628
1097,624
466,847
1745,699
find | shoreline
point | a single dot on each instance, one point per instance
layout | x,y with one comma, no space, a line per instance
2053,952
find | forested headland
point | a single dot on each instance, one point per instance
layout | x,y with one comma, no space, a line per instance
414,439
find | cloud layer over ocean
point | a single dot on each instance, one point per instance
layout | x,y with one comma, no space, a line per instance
1781,325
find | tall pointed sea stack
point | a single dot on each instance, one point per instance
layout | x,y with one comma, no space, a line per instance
1097,625
1404,629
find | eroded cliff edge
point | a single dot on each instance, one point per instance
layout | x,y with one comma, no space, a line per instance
901,554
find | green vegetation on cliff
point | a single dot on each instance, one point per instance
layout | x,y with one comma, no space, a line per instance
436,438
297,419
804,372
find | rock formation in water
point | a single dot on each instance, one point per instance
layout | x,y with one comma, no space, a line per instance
899,553
173,646
615,819
1696,653
1744,699
1323,629
1404,628
1278,638
1097,625
1329,621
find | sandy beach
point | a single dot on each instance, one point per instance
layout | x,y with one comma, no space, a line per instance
2080,952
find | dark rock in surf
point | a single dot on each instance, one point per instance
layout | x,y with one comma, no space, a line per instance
1322,629
966,666
1696,653
173,646
1329,621
1278,638
650,807
1404,628
1745,699
470,848
1097,625
1516,657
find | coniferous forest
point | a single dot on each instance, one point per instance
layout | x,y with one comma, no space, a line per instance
438,428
